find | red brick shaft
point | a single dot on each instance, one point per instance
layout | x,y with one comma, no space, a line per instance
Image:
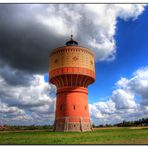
72,102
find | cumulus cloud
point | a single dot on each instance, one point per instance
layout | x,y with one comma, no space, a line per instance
12,115
35,103
123,99
30,31
128,11
15,77
122,104
138,84
27,102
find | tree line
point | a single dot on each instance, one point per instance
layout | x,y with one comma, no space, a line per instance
140,122
25,127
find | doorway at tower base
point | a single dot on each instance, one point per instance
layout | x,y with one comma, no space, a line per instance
66,126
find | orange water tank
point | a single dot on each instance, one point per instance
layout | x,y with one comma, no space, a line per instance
71,69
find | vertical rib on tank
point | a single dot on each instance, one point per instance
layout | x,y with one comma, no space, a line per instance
71,69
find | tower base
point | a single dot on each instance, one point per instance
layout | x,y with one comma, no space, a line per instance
67,126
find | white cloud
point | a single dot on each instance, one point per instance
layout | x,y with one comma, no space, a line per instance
122,104
104,22
57,24
123,99
122,83
35,104
128,11
21,101
138,84
94,25
13,110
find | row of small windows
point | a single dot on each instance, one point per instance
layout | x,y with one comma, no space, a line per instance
74,107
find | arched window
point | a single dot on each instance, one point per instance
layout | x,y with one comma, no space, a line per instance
74,107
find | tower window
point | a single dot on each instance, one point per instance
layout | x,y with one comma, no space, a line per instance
85,107
61,107
74,107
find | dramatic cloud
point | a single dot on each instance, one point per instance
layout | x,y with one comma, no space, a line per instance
122,103
15,77
33,104
28,32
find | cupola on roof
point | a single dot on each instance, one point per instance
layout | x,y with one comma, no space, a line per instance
71,42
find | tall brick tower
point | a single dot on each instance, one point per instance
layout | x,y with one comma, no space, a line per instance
72,70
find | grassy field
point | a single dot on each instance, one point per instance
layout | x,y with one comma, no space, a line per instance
98,136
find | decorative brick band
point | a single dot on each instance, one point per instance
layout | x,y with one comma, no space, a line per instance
71,48
71,70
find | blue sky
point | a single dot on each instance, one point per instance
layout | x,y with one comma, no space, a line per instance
132,53
116,32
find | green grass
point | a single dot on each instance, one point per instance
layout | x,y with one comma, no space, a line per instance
101,136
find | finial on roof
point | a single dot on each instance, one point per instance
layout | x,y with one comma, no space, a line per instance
71,42
71,35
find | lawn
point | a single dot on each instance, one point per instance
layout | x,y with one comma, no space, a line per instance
98,136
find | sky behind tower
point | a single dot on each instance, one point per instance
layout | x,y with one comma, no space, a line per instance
117,33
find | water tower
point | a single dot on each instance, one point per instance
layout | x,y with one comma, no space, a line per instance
72,70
